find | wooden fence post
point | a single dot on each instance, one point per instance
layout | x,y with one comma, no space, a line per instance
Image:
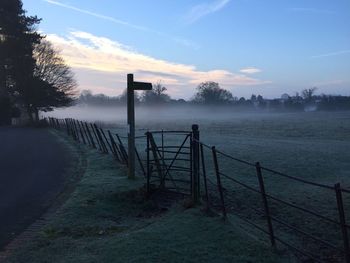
195,151
342,220
217,172
140,162
85,133
148,165
123,151
90,136
157,161
76,130
265,203
96,137
72,129
109,145
204,176
81,132
67,126
103,145
114,145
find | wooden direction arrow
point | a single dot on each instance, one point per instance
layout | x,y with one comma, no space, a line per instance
142,86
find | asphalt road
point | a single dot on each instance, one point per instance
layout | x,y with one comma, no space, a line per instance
32,166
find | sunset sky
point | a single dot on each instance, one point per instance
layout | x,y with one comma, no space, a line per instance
266,47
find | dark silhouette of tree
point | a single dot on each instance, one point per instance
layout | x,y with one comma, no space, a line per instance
17,40
5,109
308,94
122,98
53,83
253,98
86,97
210,93
156,96
51,68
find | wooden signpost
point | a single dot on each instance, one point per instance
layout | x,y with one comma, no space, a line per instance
132,86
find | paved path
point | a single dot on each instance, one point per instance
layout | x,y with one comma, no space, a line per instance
32,165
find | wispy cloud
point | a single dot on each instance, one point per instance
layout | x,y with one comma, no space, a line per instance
336,53
311,10
204,9
108,18
180,40
250,70
89,53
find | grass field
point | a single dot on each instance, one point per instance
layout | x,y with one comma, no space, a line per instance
107,219
313,145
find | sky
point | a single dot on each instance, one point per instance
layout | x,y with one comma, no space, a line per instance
266,47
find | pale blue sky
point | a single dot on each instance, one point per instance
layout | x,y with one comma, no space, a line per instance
248,46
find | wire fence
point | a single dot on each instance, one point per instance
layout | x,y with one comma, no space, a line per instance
281,220
105,141
304,222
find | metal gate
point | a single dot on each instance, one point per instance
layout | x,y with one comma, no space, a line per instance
170,161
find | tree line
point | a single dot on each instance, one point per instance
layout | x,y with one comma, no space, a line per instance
211,94
33,76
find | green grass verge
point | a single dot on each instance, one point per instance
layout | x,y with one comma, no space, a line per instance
107,219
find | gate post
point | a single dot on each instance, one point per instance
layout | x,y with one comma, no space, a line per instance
195,159
148,165
342,220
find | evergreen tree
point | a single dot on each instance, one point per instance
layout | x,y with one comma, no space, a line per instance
17,40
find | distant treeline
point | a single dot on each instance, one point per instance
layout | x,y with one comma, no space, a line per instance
210,93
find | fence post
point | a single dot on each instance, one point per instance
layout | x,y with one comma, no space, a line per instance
109,145
265,203
342,220
67,126
156,161
195,159
148,165
96,137
103,145
122,149
217,172
72,129
81,132
90,136
99,138
85,133
140,162
76,130
204,176
58,124
114,145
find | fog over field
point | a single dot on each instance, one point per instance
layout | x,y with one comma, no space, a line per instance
188,113
306,144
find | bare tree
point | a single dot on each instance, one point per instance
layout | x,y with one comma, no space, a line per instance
307,94
53,82
51,68
157,95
